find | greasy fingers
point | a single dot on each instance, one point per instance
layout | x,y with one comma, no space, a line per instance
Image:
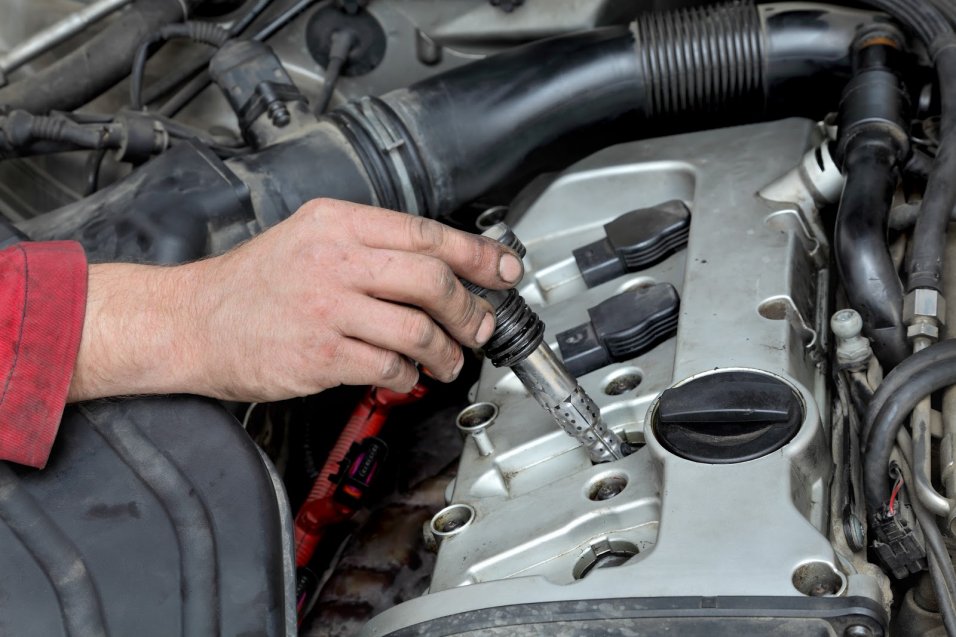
407,331
364,364
339,294
473,257
430,284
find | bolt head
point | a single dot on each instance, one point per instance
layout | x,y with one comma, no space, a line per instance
846,323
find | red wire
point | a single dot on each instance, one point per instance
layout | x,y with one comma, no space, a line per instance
896,492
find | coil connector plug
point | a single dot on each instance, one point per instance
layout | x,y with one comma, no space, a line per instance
518,343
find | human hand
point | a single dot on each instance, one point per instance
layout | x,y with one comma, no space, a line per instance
337,294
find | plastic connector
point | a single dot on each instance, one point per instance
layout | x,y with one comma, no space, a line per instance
634,241
896,545
622,327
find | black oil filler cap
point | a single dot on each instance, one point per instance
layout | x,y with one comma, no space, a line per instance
728,417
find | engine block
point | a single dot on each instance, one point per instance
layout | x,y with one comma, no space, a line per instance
535,522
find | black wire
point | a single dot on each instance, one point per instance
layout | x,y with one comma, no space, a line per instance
93,165
204,32
342,43
195,86
918,376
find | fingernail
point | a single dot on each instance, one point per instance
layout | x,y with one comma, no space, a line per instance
486,329
461,363
510,268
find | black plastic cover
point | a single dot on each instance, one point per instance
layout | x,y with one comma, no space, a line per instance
728,417
622,327
634,241
154,517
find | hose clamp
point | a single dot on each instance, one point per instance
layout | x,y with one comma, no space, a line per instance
390,142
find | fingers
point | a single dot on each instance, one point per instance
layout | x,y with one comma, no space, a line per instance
407,331
360,363
430,284
473,257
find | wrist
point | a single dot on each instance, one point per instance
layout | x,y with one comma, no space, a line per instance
141,332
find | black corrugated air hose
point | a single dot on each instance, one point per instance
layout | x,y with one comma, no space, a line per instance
438,144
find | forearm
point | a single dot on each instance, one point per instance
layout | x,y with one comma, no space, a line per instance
140,334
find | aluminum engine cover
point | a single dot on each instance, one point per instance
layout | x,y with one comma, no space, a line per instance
753,283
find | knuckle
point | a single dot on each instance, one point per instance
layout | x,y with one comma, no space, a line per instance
444,281
426,234
484,256
392,365
420,331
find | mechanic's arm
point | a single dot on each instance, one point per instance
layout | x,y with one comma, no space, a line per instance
337,294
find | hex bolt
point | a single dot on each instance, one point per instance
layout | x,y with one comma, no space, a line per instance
474,420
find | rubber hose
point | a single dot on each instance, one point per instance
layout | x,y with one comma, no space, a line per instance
732,59
929,237
95,66
866,269
918,376
452,137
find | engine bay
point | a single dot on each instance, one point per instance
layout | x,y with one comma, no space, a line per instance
719,401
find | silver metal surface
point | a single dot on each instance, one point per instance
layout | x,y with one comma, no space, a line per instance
947,444
57,33
754,288
920,424
555,389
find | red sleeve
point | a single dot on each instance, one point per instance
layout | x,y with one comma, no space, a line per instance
42,305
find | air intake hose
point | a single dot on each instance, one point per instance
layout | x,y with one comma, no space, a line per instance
432,147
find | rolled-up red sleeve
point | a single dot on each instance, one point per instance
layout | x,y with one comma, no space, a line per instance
42,305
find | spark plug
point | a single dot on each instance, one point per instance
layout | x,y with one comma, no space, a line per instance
518,343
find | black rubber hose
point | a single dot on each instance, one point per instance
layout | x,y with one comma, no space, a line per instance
476,126
95,66
439,144
935,28
871,148
918,376
929,237
866,269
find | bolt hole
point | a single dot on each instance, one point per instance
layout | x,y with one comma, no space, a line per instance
477,416
623,381
491,216
452,519
818,579
606,487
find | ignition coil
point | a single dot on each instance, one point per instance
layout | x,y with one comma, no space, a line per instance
518,343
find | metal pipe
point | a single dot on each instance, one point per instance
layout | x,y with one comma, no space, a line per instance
923,451
518,343
947,446
57,33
